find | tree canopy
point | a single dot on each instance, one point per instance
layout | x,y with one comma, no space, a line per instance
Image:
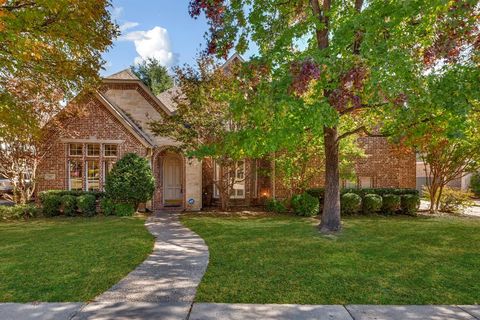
153,75
336,68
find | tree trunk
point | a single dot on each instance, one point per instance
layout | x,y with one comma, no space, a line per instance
331,206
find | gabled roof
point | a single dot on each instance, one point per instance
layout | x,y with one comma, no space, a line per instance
167,97
126,74
125,120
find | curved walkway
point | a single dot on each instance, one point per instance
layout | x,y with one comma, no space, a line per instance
164,285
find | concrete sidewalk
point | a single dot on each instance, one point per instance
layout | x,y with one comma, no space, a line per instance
210,311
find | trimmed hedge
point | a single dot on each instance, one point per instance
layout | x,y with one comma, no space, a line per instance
305,205
87,204
69,205
391,204
75,193
51,204
372,204
124,209
351,203
409,204
18,212
108,206
274,205
319,192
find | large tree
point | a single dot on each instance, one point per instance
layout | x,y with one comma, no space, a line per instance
50,50
154,75
337,68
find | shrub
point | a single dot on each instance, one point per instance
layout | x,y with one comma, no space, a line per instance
305,205
319,192
350,203
108,206
75,193
372,203
69,205
274,205
87,204
391,204
409,204
124,209
51,203
475,184
130,181
455,201
25,211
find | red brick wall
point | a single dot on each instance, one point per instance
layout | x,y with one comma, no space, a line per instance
94,122
389,166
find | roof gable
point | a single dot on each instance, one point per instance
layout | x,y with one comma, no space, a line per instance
126,74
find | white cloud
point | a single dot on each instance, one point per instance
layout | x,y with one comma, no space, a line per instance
127,25
153,43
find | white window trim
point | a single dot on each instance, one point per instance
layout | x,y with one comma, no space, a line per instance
70,150
86,175
216,178
69,175
104,150
93,156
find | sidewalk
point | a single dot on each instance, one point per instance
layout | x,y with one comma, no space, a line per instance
210,311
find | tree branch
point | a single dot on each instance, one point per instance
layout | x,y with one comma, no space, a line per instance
361,129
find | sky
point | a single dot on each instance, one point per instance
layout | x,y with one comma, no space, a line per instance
161,29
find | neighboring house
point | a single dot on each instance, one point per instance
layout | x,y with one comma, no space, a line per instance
114,121
461,183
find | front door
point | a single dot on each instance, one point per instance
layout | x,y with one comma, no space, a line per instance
172,182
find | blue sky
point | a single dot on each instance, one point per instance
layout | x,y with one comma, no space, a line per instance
154,28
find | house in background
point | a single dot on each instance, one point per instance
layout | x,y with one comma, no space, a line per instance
461,183
114,121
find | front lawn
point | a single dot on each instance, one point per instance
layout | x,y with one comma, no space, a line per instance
375,260
68,259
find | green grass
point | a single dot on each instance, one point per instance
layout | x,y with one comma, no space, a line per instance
68,259
375,260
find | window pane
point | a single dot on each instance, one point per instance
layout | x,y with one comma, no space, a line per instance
350,184
240,170
110,150
93,150
75,175
75,149
365,182
93,176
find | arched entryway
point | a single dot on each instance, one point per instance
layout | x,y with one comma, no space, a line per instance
169,169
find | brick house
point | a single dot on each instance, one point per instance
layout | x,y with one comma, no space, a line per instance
114,121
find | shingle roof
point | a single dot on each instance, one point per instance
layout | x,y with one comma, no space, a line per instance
167,97
126,74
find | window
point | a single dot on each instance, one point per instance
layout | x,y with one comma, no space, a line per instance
238,191
93,150
110,150
75,175
75,149
350,184
216,179
365,182
93,176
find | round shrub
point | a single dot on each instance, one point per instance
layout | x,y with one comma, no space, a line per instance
409,204
108,206
51,203
372,203
350,203
17,212
130,181
86,205
391,204
69,205
305,205
124,209
274,205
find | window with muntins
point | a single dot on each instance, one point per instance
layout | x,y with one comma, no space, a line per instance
75,149
110,150
75,181
93,150
93,175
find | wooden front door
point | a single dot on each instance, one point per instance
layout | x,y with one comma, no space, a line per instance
172,182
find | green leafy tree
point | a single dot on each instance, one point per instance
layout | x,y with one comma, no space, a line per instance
50,51
130,181
153,75
335,68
